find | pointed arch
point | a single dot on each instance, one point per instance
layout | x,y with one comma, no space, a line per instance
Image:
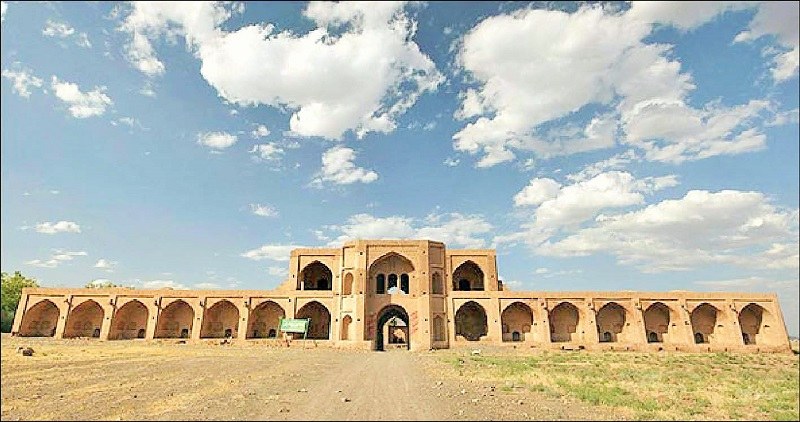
347,285
756,324
471,321
315,276
85,320
704,321
658,319
564,320
347,325
264,320
384,271
610,321
320,325
175,321
220,320
468,276
129,321
516,318
40,320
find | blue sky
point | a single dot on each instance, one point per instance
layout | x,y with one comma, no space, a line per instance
646,146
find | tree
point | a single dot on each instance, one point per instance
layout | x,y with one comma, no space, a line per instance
12,286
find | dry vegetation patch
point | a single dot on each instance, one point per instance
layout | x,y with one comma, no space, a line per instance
647,385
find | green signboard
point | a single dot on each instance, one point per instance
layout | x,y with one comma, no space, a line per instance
291,325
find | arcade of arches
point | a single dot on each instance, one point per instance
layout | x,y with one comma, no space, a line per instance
414,294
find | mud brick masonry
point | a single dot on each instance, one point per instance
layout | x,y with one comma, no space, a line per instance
416,294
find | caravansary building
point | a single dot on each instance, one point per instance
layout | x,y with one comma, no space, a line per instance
416,294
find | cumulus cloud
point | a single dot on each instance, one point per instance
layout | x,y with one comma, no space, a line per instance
779,19
105,264
456,230
260,132
559,205
725,227
263,210
58,227
683,16
3,9
270,252
216,140
532,68
674,132
364,45
81,104
270,151
338,168
59,257
206,286
277,271
22,80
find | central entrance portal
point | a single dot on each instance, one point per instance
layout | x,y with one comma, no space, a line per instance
398,327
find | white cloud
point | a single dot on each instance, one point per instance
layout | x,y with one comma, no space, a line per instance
368,45
569,205
537,191
785,117
82,105
685,16
64,30
163,284
456,230
535,66
365,226
105,264
206,286
674,132
781,20
263,210
271,252
278,271
59,257
3,9
22,80
451,162
58,227
216,140
338,168
267,152
260,132
58,29
726,227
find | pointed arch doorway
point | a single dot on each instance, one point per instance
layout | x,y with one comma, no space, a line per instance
399,328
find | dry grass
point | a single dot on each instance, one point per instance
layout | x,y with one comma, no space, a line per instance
650,385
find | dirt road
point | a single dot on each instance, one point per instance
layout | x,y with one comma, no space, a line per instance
376,386
136,380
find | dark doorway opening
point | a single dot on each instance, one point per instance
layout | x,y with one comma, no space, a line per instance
140,333
384,316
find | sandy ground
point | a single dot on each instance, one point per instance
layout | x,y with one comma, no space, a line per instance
80,379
